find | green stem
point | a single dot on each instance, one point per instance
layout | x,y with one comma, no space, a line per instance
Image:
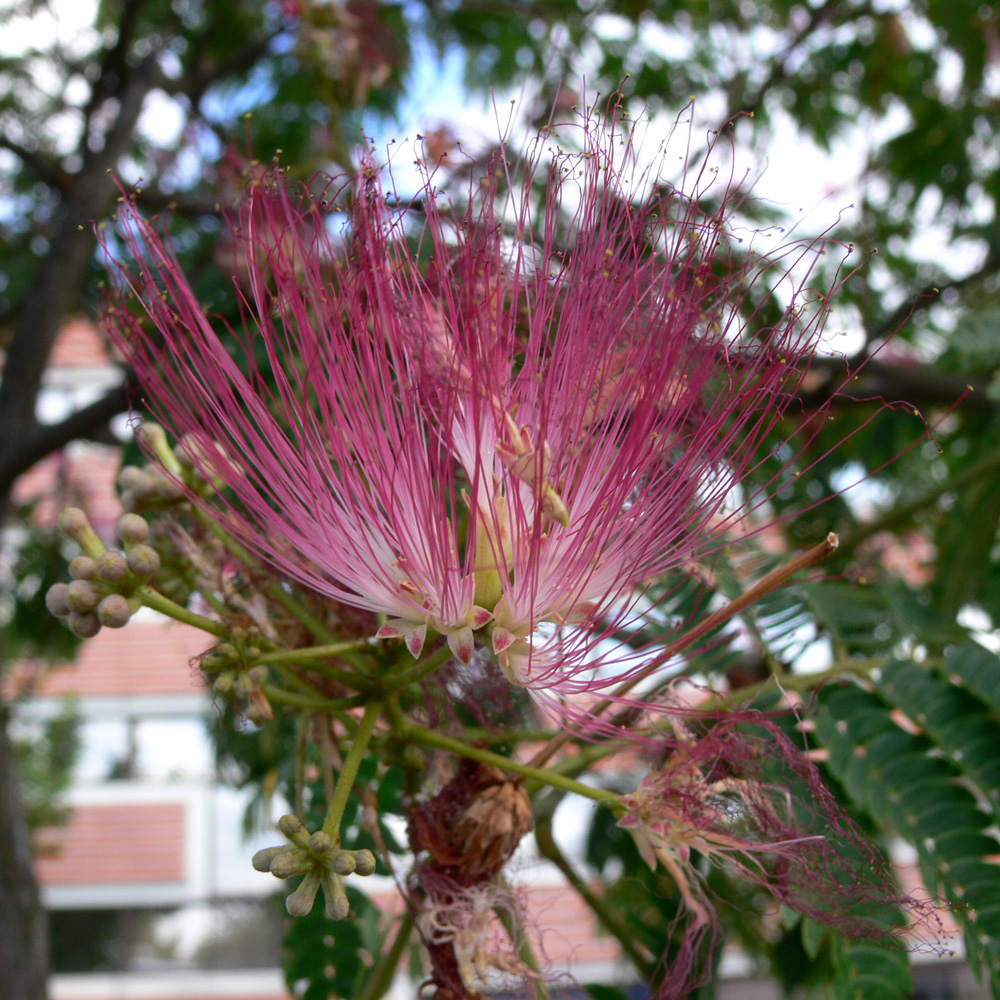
345,782
420,670
406,730
308,657
301,615
381,979
309,653
548,848
158,602
317,704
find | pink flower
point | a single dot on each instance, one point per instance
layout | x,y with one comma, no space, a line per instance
497,423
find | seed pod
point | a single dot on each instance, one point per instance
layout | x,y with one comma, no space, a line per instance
112,567
133,529
55,600
82,596
114,611
85,625
143,560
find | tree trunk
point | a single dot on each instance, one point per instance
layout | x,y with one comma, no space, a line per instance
24,937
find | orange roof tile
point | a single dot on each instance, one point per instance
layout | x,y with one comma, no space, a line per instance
144,658
120,843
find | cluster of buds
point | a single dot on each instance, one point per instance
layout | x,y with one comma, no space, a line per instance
168,480
232,664
106,582
323,863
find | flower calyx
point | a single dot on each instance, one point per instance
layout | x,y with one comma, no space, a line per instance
321,861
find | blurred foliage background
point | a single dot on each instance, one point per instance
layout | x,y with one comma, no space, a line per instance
899,103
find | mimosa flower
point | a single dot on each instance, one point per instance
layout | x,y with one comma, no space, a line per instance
498,423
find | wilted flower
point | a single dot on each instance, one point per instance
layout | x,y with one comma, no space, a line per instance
493,422
754,805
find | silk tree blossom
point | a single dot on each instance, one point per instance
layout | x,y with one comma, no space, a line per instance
498,422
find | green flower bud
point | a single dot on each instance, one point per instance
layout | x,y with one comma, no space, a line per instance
74,523
133,529
223,684
337,906
344,862
112,567
365,862
226,650
244,686
258,675
168,489
85,624
263,858
114,611
321,842
55,600
300,902
83,596
82,568
129,477
292,828
143,560
290,863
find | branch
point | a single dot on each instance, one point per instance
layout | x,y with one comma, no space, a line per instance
84,423
44,169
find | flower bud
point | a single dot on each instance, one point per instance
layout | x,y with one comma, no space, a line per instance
345,862
290,863
226,650
263,858
85,624
129,477
82,568
82,596
112,567
168,489
55,600
223,684
133,529
258,675
114,611
364,862
291,826
337,906
144,561
300,902
73,523
154,439
243,686
321,842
